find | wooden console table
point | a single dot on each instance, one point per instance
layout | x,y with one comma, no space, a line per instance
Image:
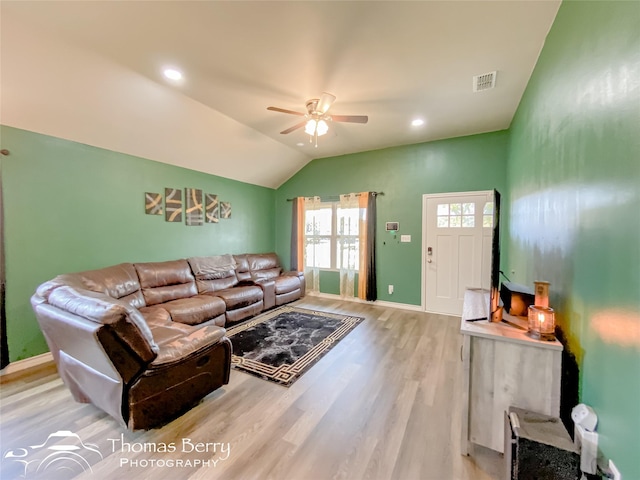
504,367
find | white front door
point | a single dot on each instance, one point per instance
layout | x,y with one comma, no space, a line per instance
457,234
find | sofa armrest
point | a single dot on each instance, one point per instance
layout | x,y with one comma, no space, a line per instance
300,275
268,287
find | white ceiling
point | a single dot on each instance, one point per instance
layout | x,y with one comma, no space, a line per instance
91,72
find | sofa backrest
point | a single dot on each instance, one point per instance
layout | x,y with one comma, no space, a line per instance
242,267
124,320
214,273
264,265
165,281
119,282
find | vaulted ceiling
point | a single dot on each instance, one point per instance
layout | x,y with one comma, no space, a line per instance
92,72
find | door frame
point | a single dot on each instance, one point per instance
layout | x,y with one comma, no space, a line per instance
423,256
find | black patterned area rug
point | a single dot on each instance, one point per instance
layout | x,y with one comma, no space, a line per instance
283,344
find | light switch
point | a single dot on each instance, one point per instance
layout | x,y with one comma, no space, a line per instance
405,238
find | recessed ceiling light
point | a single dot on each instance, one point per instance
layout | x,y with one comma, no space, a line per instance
172,74
300,144
418,122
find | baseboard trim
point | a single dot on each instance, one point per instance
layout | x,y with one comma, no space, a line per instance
379,303
26,367
443,314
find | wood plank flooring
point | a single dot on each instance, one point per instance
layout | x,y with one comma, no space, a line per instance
384,403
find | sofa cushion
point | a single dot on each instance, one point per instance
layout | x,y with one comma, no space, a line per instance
240,296
126,321
165,281
212,287
286,284
118,281
242,267
177,341
194,310
266,274
155,314
214,273
262,261
93,306
211,268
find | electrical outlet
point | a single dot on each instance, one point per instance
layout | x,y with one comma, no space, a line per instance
616,475
390,289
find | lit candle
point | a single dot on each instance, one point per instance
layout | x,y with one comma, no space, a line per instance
541,323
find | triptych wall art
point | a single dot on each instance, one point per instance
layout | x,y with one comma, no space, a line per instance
199,208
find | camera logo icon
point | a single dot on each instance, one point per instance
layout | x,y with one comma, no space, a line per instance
63,455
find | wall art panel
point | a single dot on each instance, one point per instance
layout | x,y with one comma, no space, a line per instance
153,203
225,209
212,208
173,204
195,210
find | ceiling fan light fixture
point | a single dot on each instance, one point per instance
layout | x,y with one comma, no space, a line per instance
310,127
322,127
315,122
316,127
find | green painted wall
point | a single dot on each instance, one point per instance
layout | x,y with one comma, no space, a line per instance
404,174
574,180
70,207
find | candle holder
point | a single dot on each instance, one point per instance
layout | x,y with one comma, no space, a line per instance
542,323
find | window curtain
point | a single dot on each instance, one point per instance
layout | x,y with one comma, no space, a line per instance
297,235
4,346
348,242
309,225
367,282
356,243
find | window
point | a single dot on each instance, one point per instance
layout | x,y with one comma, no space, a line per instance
332,236
318,228
487,215
463,215
456,215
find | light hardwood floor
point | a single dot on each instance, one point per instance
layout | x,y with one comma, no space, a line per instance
383,404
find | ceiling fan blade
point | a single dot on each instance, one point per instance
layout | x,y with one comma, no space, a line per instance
350,118
325,101
283,110
295,127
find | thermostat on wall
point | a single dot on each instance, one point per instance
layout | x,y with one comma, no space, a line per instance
392,226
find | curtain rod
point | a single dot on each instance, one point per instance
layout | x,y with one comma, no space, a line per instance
336,196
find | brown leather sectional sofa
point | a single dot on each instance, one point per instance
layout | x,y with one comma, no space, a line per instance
146,341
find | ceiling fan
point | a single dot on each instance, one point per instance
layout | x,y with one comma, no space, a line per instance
316,118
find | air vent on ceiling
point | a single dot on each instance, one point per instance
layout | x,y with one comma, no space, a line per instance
485,81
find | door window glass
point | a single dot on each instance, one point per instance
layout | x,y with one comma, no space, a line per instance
456,215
